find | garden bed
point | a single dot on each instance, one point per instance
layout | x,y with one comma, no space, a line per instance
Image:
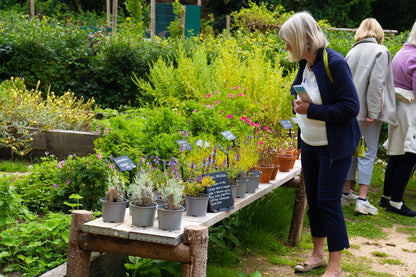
60,143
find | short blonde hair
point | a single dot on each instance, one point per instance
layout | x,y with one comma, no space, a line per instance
370,28
303,34
412,36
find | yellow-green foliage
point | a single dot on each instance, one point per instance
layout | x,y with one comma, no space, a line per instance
217,64
20,108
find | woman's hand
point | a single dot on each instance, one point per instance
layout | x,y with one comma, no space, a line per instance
300,107
369,120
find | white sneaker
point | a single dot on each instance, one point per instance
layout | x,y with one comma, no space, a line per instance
364,207
349,199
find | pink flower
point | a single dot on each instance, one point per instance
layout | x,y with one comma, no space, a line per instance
260,142
219,111
61,163
218,102
229,116
194,111
208,95
217,92
266,128
241,94
67,182
99,156
237,87
232,88
255,101
252,124
257,125
106,131
55,186
230,96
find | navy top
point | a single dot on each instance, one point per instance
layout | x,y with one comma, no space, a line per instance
340,104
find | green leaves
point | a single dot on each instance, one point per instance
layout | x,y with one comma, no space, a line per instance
36,245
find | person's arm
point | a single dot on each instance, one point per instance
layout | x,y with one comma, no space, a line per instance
376,83
346,103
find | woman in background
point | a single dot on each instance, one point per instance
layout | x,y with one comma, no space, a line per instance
401,145
329,136
370,64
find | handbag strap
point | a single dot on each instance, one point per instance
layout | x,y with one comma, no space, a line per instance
328,72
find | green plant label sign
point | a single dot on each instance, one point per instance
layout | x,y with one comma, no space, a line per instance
228,135
220,197
124,163
287,124
184,144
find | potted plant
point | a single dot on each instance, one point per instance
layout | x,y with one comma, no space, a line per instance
171,191
287,154
232,173
114,203
266,154
195,200
142,207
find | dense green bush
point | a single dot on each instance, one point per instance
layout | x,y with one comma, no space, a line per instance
70,56
51,182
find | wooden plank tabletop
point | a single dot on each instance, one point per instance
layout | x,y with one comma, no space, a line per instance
153,234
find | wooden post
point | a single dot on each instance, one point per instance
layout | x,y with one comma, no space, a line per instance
199,2
115,4
299,209
108,12
152,18
183,14
228,25
78,262
31,8
197,238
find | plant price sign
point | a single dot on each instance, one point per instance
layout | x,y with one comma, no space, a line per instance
220,197
124,163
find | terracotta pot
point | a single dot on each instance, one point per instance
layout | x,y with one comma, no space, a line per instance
275,170
285,163
266,173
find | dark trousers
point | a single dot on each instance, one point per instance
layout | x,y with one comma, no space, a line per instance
324,181
398,172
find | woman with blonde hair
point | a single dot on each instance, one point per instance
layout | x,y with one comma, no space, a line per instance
401,145
329,135
370,64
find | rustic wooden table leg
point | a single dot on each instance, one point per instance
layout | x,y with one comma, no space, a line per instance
197,238
299,209
78,262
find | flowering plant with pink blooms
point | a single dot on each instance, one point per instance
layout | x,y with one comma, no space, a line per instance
267,141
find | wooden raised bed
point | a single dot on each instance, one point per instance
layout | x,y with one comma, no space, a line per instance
60,143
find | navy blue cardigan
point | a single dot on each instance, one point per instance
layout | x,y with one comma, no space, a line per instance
340,104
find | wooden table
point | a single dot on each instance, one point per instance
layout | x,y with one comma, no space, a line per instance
188,245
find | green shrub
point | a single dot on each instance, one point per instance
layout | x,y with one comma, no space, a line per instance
218,65
51,182
11,208
71,56
35,246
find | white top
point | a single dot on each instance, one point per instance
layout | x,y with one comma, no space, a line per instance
313,131
402,138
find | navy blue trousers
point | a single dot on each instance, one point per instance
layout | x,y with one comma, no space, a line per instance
398,172
324,182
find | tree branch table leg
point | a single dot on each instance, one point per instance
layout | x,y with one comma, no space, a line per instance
299,209
197,238
78,262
